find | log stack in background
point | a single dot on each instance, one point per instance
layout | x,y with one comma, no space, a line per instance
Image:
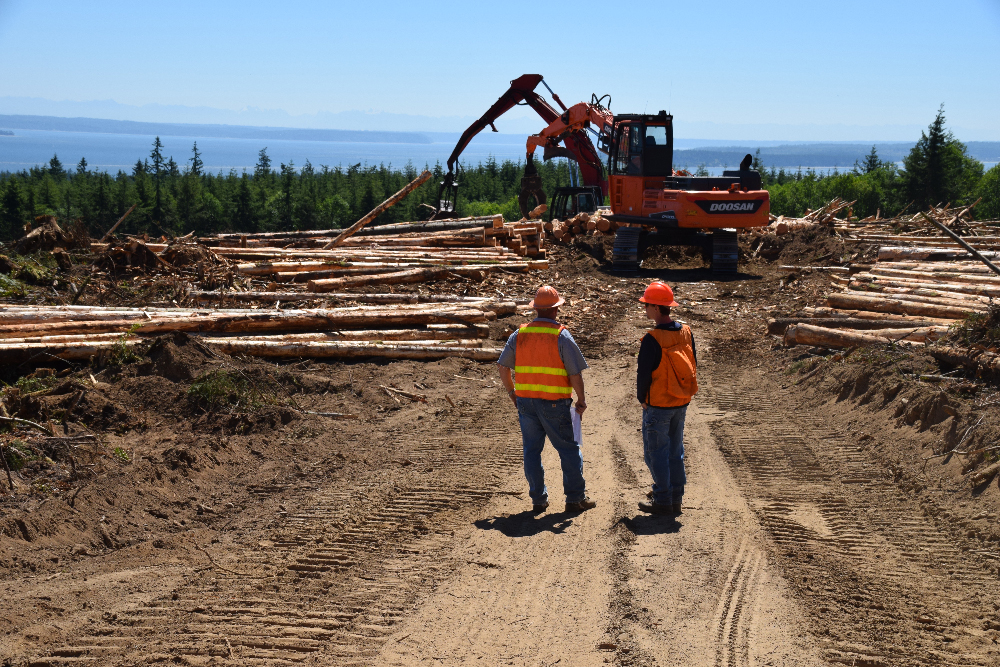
919,287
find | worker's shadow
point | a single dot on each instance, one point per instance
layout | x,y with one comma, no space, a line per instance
650,524
526,524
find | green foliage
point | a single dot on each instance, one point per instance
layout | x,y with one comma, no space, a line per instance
121,455
169,200
124,351
18,453
12,287
989,191
29,384
227,390
938,170
978,329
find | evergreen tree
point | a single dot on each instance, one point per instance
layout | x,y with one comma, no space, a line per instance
263,167
938,169
81,166
56,169
196,164
12,212
156,155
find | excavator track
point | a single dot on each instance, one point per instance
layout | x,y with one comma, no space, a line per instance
625,255
725,252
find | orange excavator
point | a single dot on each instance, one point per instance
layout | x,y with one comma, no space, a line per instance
662,206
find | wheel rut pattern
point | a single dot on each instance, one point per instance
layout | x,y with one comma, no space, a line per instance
325,589
884,585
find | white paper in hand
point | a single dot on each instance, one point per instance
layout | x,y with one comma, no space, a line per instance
577,428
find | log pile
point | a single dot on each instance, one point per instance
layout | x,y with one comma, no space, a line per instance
409,331
912,295
581,224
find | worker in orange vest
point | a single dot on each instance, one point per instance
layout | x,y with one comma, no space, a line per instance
548,367
666,381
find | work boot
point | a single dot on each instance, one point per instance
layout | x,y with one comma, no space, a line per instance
656,508
676,507
538,508
584,504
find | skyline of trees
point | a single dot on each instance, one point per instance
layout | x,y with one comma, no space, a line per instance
175,200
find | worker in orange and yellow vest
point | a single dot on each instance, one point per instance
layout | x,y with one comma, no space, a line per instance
548,367
666,382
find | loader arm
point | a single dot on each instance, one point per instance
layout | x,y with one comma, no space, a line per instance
522,91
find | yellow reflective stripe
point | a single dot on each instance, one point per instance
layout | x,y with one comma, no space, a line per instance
542,370
544,330
543,387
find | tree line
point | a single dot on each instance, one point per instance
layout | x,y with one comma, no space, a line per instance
937,171
172,199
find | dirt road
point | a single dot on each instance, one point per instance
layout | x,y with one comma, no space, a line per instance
795,547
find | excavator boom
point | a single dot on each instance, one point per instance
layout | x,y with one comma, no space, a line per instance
578,145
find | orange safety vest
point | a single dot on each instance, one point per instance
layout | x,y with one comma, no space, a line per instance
538,368
675,380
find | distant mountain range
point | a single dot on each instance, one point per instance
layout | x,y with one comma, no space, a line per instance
104,126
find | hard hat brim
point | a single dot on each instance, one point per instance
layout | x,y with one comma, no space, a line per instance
672,304
560,301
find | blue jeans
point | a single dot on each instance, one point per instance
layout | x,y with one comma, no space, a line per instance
663,449
540,418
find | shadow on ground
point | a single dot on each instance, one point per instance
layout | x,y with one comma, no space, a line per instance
527,523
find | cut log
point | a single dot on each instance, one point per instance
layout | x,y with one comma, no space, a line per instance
890,253
379,210
263,321
806,334
348,350
878,304
396,278
978,279
777,326
871,315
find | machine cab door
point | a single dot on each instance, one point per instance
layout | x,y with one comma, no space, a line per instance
626,167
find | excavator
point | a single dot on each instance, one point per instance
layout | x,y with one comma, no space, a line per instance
662,206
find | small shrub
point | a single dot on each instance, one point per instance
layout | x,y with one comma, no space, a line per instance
224,389
17,453
31,383
121,455
978,328
12,287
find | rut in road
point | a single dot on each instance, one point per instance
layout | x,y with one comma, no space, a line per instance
884,585
322,589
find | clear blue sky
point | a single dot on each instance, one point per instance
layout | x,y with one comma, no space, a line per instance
729,67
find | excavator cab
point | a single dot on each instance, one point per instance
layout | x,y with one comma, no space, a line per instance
567,202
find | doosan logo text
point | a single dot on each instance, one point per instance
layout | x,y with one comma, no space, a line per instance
744,206
732,207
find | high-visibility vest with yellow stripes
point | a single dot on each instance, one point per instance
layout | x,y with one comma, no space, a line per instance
538,369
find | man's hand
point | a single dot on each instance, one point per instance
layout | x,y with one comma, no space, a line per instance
508,383
580,407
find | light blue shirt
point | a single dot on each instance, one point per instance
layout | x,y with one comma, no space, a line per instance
569,351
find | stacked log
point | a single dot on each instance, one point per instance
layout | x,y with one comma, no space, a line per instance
428,330
582,224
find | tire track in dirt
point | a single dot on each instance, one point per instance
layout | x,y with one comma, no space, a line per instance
332,582
883,584
700,587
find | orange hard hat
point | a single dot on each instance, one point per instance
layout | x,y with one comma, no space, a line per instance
546,297
659,294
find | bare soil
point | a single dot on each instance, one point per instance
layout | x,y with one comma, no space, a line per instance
237,527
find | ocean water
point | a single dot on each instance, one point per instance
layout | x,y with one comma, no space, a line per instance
111,152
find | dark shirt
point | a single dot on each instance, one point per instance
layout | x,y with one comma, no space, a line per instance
650,356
